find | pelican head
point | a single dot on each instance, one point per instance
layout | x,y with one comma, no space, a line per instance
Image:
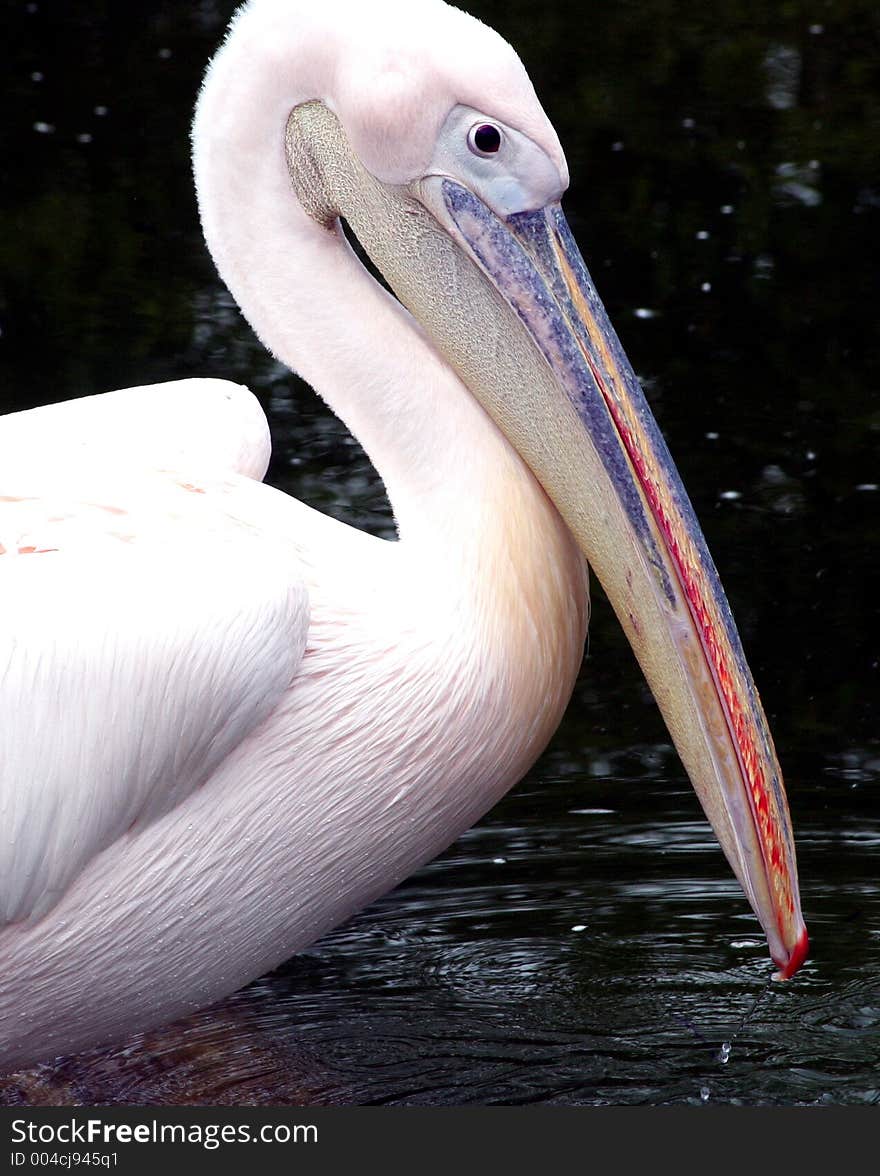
419,127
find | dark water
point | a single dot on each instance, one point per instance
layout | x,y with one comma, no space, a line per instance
584,943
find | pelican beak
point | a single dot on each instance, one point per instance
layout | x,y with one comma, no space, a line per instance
602,460
527,334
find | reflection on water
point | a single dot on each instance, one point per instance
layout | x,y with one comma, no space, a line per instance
585,943
473,982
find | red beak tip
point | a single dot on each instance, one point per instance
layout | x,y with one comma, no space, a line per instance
796,958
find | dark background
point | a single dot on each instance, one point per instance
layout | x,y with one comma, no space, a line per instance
725,163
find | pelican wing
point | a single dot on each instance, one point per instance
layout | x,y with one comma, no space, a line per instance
208,424
141,639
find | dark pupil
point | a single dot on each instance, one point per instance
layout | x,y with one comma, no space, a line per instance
487,138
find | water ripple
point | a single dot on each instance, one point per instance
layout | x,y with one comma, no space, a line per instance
469,985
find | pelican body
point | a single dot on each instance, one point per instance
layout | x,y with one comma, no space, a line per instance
228,722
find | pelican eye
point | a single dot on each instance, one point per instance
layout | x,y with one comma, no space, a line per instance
484,139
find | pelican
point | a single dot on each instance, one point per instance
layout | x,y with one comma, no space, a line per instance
228,722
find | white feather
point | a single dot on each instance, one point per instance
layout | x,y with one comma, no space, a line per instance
143,637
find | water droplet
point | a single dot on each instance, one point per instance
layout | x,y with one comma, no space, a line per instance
730,495
644,312
796,183
702,235
726,209
724,1053
687,123
579,927
499,861
37,76
100,111
85,137
706,287
704,1093
712,436
43,128
618,146
817,30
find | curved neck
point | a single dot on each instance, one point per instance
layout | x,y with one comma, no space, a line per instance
310,300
